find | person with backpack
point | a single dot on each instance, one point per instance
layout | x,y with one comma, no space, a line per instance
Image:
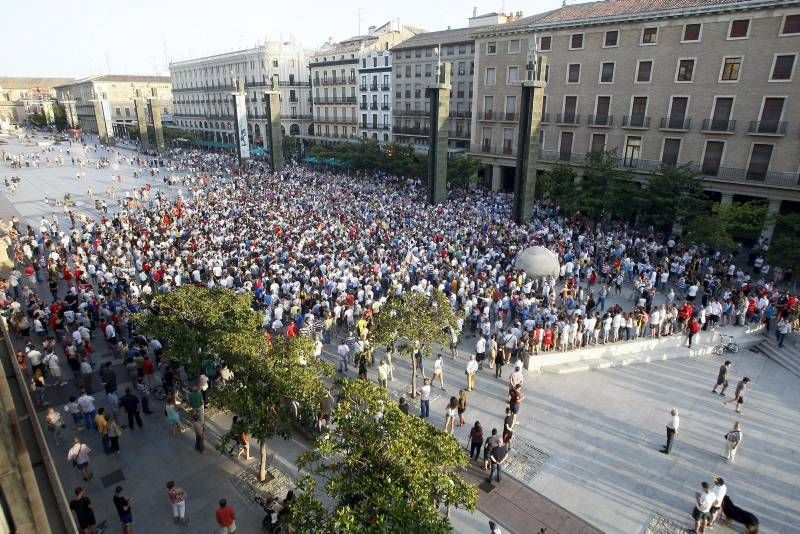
732,441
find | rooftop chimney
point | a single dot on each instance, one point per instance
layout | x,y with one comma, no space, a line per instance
474,12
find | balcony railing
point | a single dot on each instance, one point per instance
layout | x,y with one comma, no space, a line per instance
456,134
767,127
545,118
486,149
335,100
487,115
297,116
363,105
384,87
713,125
385,107
294,83
635,121
373,106
362,88
411,113
403,130
568,118
675,123
337,120
509,116
460,115
293,99
601,120
728,174
508,150
373,87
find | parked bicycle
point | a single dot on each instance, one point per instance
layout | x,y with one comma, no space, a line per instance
180,389
726,346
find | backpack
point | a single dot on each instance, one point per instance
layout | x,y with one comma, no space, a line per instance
734,436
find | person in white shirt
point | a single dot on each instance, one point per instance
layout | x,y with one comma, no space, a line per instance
79,455
438,370
719,491
672,430
53,366
480,350
516,377
701,513
472,368
425,399
86,404
343,350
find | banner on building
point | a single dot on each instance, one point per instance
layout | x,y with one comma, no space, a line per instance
241,125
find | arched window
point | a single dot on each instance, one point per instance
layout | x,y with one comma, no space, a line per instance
294,129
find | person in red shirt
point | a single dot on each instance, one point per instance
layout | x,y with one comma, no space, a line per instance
226,518
291,331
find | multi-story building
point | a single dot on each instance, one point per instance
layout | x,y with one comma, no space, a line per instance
118,90
21,97
708,83
203,89
375,89
335,82
415,63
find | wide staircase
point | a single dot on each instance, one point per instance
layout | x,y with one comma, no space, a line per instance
787,356
643,350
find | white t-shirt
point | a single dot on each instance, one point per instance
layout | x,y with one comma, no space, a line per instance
86,402
719,494
425,392
480,346
706,502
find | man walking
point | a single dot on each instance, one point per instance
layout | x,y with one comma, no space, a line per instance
130,403
672,430
722,378
738,396
123,506
497,457
732,441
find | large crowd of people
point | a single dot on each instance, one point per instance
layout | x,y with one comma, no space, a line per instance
321,251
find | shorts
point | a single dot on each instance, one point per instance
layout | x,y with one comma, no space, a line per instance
229,529
514,408
480,356
453,346
714,510
83,465
697,515
740,400
126,518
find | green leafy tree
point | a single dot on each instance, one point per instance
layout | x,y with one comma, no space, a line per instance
672,196
462,171
38,119
171,133
274,385
412,322
289,147
726,222
606,190
386,471
558,185
196,323
785,249
59,117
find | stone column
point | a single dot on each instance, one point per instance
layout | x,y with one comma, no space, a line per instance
497,177
530,119
273,102
439,95
100,120
773,210
140,107
155,113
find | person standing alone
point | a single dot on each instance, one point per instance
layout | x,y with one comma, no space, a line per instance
672,430
732,441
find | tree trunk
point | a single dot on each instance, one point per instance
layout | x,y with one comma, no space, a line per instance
262,460
413,377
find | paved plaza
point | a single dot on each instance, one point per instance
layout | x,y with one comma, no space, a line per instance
587,441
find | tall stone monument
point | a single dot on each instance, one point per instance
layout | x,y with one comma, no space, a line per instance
273,102
530,119
439,96
155,113
140,107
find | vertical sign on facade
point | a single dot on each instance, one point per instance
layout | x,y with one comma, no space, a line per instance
240,114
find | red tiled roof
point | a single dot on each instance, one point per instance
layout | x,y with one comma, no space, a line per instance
609,8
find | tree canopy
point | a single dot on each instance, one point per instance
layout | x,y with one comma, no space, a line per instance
784,251
726,222
386,471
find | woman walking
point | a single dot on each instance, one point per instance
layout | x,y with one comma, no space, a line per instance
450,415
54,424
114,431
462,406
475,441
173,417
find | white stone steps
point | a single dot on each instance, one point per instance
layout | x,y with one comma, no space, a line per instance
787,357
671,348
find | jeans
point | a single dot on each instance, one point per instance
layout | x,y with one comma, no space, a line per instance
601,303
343,365
475,450
670,439
779,337
134,416
424,408
326,336
88,419
495,472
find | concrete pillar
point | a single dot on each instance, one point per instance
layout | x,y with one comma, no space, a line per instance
99,117
727,198
273,102
497,177
530,119
140,108
439,95
155,113
773,209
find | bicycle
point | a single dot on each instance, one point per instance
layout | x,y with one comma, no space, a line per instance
729,346
180,389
